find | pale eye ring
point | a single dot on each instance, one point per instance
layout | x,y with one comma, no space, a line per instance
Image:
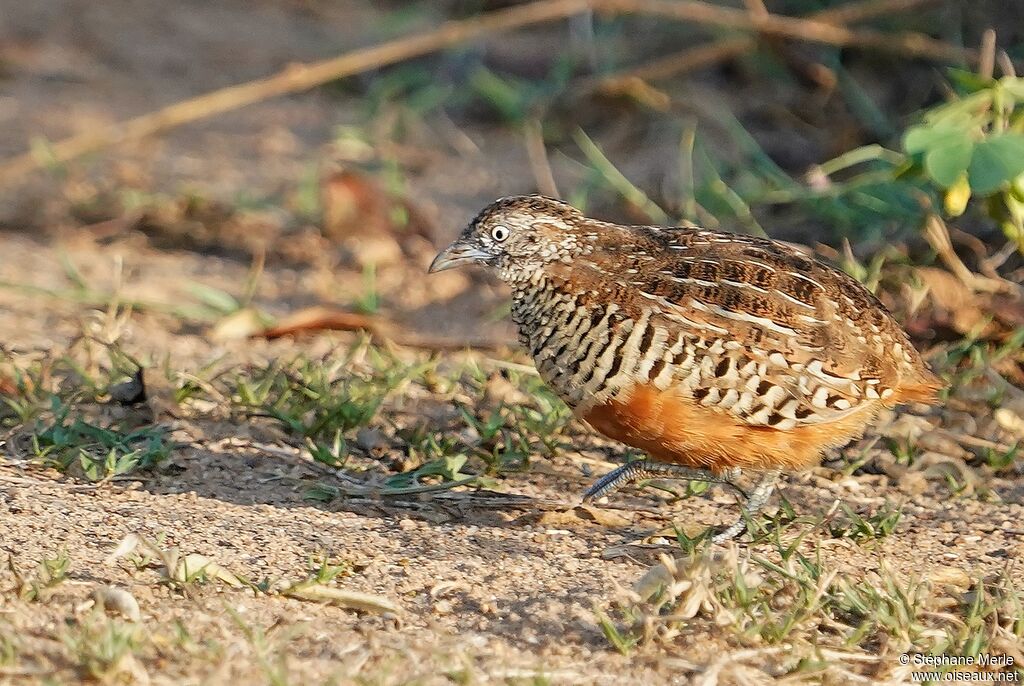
500,233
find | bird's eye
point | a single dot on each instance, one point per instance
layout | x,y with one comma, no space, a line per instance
499,233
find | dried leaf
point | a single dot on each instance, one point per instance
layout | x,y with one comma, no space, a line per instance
951,577
583,514
1010,420
117,600
955,305
602,516
656,578
128,544
355,205
239,324
194,564
317,318
353,600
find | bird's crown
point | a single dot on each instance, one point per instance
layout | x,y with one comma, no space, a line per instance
516,234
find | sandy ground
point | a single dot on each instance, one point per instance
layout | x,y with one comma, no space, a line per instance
490,583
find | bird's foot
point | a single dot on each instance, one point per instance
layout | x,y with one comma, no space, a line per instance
646,469
755,503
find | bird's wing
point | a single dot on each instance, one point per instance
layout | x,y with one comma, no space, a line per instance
759,329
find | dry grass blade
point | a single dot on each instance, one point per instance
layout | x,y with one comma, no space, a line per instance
677,63
617,180
731,662
756,7
296,78
937,235
854,12
533,133
193,565
352,600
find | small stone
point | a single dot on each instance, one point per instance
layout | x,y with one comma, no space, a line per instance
951,577
372,442
912,483
1010,420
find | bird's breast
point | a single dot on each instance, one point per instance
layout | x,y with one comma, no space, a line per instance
588,349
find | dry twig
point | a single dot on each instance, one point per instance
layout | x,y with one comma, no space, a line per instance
732,47
811,30
987,57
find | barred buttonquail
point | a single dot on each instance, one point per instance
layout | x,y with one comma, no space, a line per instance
710,351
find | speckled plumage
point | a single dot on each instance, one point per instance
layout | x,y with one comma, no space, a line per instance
706,349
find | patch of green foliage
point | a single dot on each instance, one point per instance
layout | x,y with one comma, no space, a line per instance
49,573
790,598
320,399
98,645
966,155
53,406
973,148
968,151
98,452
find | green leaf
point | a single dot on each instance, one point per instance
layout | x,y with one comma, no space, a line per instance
507,97
1017,188
452,466
925,137
214,298
996,160
947,162
968,81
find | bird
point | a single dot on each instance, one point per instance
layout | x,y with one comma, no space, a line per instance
712,352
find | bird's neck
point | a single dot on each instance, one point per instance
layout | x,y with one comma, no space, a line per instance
534,293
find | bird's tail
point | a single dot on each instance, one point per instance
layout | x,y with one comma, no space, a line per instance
923,387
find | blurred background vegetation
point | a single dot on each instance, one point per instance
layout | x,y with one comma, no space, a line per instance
630,114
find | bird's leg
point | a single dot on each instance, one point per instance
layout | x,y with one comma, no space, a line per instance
729,477
757,500
646,469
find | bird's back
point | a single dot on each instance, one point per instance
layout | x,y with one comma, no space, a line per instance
697,345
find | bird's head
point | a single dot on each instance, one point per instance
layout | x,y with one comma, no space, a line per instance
516,235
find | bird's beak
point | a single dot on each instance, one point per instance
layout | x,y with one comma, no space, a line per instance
456,255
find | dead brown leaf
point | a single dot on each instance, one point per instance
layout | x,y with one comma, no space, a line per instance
240,324
951,304
354,205
318,318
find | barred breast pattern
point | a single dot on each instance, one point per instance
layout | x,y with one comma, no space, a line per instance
748,326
